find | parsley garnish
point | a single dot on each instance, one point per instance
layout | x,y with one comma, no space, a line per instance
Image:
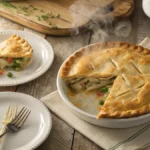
38,17
50,15
54,27
25,9
45,17
58,16
34,8
8,5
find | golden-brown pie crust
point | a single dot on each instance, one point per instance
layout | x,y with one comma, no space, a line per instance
15,47
132,106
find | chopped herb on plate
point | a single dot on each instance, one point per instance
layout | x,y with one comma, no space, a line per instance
54,27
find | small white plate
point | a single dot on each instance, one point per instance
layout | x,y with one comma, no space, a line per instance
43,56
36,128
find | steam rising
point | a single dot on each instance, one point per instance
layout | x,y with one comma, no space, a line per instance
102,23
123,28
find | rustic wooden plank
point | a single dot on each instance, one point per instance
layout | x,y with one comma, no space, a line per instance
9,88
60,137
6,24
82,143
43,15
62,134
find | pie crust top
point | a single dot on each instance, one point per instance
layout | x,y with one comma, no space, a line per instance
15,47
125,66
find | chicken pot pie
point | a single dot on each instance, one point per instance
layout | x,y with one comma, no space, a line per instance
15,53
120,70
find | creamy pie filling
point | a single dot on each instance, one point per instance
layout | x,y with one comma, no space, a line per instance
89,83
99,86
14,63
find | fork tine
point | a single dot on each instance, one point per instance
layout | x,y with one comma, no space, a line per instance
19,115
9,116
23,119
9,110
6,117
14,113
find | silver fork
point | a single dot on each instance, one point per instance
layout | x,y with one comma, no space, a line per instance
9,116
18,121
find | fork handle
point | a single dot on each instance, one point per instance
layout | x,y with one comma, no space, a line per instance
3,134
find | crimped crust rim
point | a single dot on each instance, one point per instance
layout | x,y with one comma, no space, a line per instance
125,114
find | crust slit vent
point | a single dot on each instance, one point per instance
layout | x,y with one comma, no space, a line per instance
92,67
135,66
115,65
132,90
124,78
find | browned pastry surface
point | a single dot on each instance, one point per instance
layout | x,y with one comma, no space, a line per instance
15,47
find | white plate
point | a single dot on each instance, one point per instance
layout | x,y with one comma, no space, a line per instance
36,128
43,56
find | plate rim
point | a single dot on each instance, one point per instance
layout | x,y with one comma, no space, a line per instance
47,45
49,126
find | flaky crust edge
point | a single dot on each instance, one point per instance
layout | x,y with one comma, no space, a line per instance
105,45
143,94
28,49
125,114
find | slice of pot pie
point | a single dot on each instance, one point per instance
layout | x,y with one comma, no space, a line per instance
120,66
127,105
15,53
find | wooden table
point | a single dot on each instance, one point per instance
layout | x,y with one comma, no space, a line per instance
63,136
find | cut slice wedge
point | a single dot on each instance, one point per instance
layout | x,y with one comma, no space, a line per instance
15,53
135,81
89,83
119,87
127,105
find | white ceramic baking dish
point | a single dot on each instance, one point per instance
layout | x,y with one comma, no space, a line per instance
104,122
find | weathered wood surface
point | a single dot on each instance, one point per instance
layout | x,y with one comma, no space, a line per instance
64,137
43,15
